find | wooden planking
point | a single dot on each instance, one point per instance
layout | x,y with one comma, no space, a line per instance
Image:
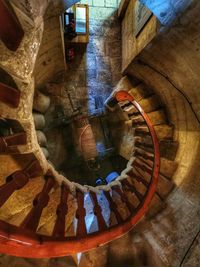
39,203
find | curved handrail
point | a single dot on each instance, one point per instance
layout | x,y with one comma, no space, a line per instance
25,243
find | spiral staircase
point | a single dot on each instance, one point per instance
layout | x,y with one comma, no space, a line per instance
42,213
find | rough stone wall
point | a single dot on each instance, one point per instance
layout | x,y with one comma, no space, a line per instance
170,65
96,69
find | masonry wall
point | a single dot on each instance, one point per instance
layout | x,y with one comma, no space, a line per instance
170,65
96,67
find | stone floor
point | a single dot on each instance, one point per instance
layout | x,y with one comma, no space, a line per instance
91,77
96,68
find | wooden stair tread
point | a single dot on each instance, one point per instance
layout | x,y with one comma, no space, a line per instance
163,131
157,117
155,206
20,202
140,91
150,104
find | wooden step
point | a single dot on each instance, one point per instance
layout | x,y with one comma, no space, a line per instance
163,131
121,203
140,91
165,186
150,104
131,110
137,183
155,206
48,217
137,120
157,117
168,167
138,172
16,213
145,141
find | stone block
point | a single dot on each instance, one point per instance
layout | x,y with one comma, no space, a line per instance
41,102
168,149
87,2
98,3
111,3
113,48
163,131
102,13
168,167
164,186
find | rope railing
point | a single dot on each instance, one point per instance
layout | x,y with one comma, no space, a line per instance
134,191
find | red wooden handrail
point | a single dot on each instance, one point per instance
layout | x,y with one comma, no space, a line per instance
22,242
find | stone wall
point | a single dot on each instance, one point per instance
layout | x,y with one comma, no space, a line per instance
132,45
96,68
170,65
